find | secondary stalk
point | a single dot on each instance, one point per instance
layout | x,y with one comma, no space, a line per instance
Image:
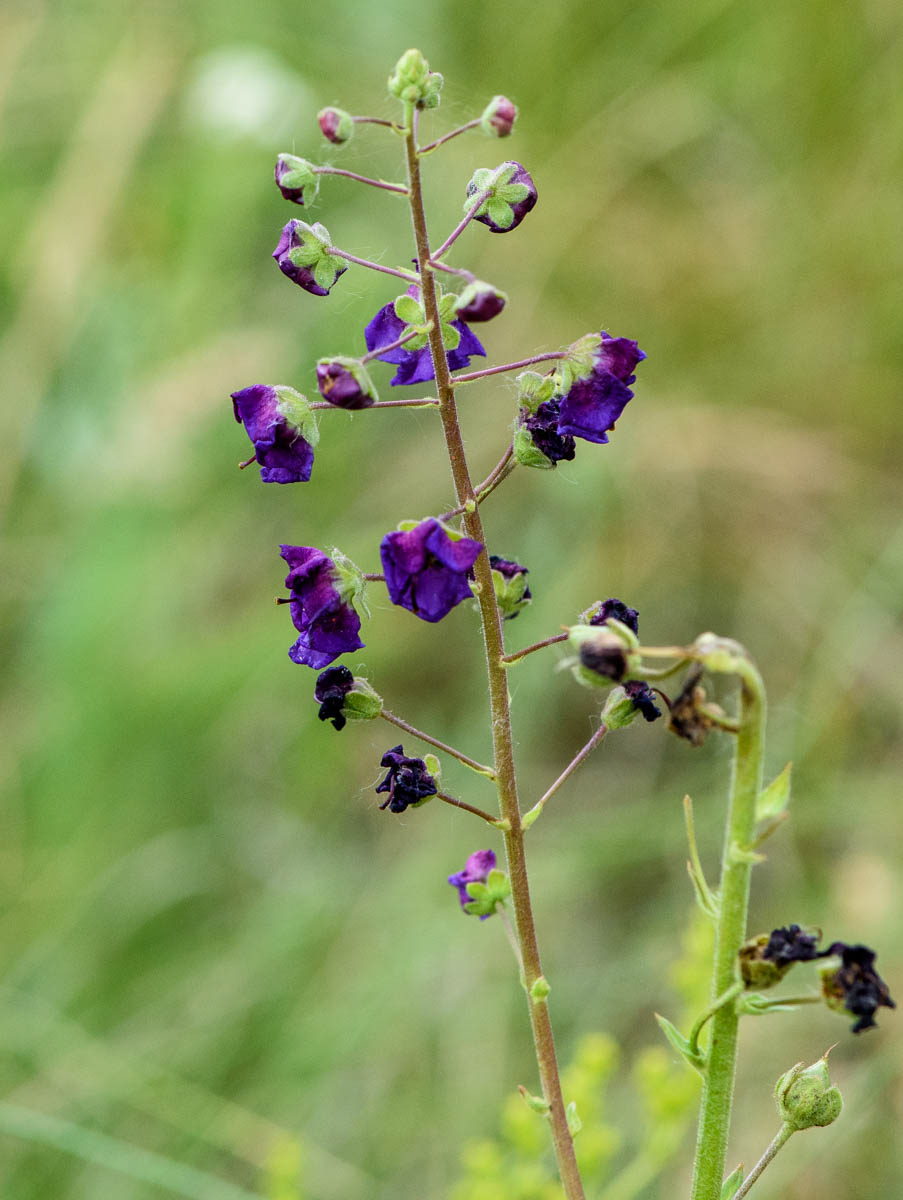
502,740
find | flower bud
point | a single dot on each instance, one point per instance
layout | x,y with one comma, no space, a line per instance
303,255
294,175
499,116
413,82
479,302
510,582
806,1096
509,195
345,383
336,125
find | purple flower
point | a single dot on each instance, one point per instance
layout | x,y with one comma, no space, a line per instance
511,195
279,422
345,383
416,366
479,302
643,698
293,176
333,685
476,870
499,116
428,571
407,781
856,985
336,125
593,404
303,255
542,426
321,608
604,609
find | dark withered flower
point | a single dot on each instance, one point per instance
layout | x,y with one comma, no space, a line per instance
688,718
333,685
855,985
643,699
407,781
541,433
604,654
791,944
603,609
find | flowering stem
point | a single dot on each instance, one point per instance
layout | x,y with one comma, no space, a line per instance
406,337
365,262
514,366
502,738
730,932
477,812
729,995
425,737
507,659
510,935
536,810
457,231
378,183
447,137
780,1139
424,402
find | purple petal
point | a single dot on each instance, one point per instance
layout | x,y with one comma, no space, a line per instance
619,356
592,406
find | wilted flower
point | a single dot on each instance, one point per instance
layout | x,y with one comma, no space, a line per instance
499,116
279,422
427,569
537,442
333,685
511,195
593,403
407,781
336,125
303,255
415,365
688,718
791,944
643,699
345,383
322,605
476,870
295,175
603,609
605,655
766,958
855,985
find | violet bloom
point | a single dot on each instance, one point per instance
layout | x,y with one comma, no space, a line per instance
279,422
321,607
333,685
427,570
302,254
476,870
593,404
512,194
416,366
407,781
617,609
479,302
345,383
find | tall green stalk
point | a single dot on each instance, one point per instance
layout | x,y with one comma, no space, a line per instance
502,740
736,869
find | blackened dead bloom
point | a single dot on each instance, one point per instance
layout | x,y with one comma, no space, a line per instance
407,781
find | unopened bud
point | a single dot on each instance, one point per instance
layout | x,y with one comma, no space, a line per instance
294,176
499,116
806,1097
336,125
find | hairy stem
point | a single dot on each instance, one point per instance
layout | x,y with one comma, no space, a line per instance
730,932
377,183
446,749
457,231
426,402
447,137
549,641
502,740
512,366
373,266
581,756
780,1139
477,812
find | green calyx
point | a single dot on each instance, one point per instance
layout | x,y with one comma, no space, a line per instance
527,453
350,582
534,389
509,593
411,311
361,703
579,362
605,654
502,193
806,1097
756,971
619,710
485,897
295,410
300,175
313,253
413,82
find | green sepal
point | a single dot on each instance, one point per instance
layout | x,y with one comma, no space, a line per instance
527,453
499,212
509,593
534,389
409,310
754,1004
573,1119
301,174
362,703
619,710
296,411
579,362
485,897
773,800
721,655
350,583
481,181
433,766
354,367
731,1185
680,1043
313,253
806,1097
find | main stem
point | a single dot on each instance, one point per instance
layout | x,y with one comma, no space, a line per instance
502,740
736,869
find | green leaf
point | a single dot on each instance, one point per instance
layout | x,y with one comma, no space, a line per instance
408,310
680,1043
731,1185
773,800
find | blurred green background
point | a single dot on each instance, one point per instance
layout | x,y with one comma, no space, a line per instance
215,948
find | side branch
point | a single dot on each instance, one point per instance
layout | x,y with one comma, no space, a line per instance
447,137
477,812
582,756
458,229
374,266
513,366
425,737
507,659
425,402
377,183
